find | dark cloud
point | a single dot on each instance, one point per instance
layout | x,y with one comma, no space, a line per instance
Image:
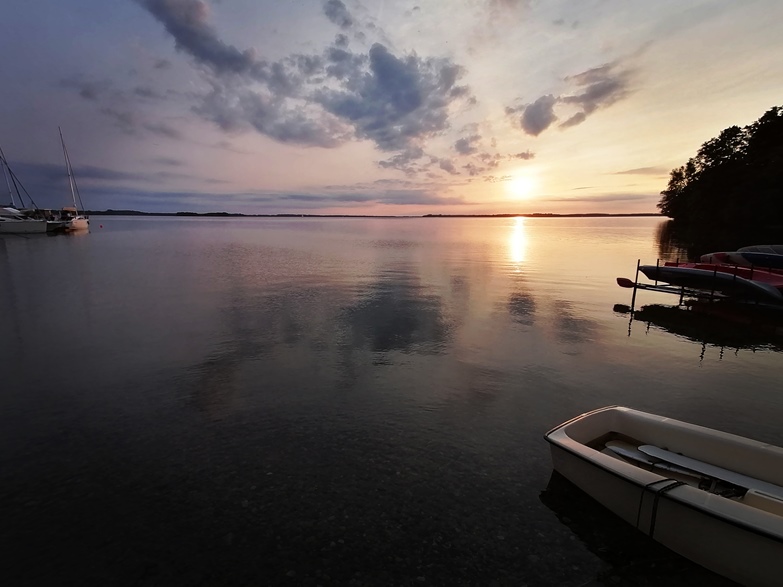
162,64
341,40
495,179
163,129
598,87
51,173
171,162
491,160
400,197
336,11
467,145
397,102
405,161
187,22
236,108
472,169
448,166
523,155
342,64
124,120
92,90
601,87
577,118
147,92
537,116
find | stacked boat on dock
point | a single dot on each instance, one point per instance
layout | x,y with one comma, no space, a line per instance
751,274
737,292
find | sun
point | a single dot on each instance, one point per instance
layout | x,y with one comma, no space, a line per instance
521,186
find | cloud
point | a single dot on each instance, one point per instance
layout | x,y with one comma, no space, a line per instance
91,90
472,169
163,129
491,160
605,198
170,161
405,161
236,108
336,12
186,21
48,173
147,92
644,171
596,88
522,155
396,101
495,179
467,145
448,166
601,87
537,116
125,120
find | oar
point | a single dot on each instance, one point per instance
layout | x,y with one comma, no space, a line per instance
713,470
629,451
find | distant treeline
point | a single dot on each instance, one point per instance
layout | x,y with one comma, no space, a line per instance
540,215
235,215
733,186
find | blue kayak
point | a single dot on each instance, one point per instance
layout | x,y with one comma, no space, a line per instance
766,260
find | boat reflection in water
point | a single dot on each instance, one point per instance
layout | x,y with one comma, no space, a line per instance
720,324
633,557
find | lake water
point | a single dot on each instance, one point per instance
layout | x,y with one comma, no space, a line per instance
337,401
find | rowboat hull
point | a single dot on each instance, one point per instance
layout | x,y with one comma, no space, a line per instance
733,537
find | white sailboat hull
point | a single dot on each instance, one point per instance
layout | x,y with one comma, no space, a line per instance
78,223
14,226
740,538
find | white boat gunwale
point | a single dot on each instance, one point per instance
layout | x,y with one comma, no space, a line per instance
685,495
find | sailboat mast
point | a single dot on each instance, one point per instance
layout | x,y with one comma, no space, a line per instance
68,168
8,183
7,180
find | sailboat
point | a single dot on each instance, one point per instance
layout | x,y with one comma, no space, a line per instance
74,219
14,220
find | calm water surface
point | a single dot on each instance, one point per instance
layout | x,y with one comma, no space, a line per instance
336,401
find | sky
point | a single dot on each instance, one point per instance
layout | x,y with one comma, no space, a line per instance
376,107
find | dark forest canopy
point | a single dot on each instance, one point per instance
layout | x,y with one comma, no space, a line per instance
735,181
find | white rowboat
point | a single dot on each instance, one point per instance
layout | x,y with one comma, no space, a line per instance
727,515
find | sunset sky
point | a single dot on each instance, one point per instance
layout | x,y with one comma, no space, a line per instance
376,107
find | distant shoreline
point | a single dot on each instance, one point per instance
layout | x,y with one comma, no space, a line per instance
239,215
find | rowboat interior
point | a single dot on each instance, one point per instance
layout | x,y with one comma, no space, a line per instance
713,497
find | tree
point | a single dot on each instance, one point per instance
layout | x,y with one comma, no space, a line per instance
734,181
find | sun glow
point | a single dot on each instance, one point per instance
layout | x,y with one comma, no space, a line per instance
521,186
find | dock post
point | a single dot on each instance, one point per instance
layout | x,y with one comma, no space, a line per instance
635,285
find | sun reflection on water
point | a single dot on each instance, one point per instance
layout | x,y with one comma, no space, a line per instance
517,244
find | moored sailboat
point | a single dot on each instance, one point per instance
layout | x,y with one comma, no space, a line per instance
74,219
14,220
